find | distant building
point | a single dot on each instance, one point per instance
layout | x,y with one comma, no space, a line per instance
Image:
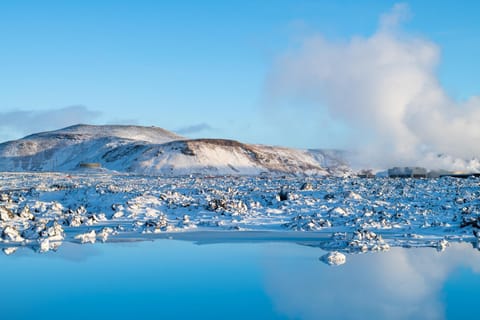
367,173
407,172
439,173
462,175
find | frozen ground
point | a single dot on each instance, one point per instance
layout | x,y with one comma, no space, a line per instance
341,215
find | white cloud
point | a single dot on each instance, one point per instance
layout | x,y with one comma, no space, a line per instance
384,88
14,124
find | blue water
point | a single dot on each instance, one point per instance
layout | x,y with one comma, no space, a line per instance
168,279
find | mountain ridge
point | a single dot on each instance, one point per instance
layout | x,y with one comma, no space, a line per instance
156,151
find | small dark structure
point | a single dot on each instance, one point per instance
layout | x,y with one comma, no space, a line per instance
461,175
366,173
89,165
407,172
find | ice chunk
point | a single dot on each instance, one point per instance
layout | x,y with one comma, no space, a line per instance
334,258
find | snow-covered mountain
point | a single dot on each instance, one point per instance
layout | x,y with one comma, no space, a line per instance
151,150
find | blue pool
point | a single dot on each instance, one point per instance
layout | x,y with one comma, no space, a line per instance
167,279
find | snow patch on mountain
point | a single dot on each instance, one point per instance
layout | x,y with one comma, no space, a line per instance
151,150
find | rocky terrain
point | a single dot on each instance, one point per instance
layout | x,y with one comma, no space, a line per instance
346,215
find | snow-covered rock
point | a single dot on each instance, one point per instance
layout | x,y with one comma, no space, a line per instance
11,234
10,250
387,212
334,258
442,245
104,234
88,237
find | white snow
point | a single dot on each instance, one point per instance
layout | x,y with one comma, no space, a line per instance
150,150
334,258
88,237
348,215
11,234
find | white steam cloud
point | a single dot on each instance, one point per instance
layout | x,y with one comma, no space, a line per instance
385,89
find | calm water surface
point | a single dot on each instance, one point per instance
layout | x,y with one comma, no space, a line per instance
167,279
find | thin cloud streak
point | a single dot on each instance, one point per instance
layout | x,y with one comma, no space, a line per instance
14,124
196,128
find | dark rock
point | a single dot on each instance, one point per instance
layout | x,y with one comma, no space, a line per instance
329,196
283,195
306,186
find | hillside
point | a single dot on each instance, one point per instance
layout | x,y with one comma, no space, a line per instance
151,150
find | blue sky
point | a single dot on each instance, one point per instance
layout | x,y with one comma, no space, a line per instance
198,67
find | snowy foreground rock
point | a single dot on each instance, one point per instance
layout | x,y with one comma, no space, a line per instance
345,215
334,258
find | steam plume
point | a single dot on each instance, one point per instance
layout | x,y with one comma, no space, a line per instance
385,89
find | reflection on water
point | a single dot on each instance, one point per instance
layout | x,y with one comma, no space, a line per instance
400,284
177,279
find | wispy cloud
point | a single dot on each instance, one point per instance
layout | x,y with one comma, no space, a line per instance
384,88
21,122
196,128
